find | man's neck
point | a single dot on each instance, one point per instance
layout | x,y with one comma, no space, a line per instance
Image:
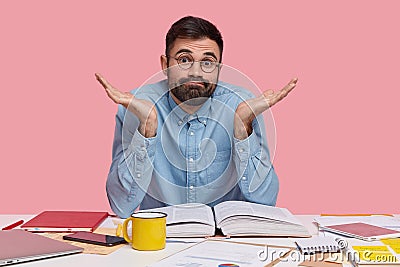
187,108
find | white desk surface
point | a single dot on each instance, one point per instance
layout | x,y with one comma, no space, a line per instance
126,256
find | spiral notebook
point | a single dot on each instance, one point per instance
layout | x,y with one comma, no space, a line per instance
318,244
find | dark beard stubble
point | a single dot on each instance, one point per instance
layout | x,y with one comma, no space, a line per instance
193,95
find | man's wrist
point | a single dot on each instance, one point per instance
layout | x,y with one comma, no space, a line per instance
148,129
242,130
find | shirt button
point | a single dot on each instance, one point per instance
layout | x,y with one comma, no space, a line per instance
244,178
240,150
204,122
138,175
191,187
143,148
191,133
191,159
180,122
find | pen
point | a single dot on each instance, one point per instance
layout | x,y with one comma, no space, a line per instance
12,226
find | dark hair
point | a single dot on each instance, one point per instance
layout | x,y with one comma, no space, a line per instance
193,28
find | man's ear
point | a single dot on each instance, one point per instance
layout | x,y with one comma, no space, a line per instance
164,65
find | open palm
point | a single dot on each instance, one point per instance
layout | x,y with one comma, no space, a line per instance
251,108
144,110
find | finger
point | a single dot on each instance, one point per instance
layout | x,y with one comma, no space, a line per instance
290,86
115,95
123,98
103,81
278,96
287,89
294,80
283,92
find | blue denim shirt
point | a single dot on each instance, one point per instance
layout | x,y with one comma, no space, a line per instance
194,158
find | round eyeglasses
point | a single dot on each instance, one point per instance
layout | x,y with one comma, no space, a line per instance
186,61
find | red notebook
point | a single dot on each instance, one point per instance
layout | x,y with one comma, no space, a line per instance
65,221
362,231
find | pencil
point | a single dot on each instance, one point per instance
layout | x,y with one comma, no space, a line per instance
12,226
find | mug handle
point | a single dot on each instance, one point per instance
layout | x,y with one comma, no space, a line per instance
125,229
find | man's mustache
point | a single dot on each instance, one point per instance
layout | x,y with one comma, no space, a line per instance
182,81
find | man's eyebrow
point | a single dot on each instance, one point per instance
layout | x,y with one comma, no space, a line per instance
183,50
211,54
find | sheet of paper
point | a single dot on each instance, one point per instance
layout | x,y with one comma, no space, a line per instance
393,243
213,253
375,254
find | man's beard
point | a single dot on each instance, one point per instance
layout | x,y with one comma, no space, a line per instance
192,91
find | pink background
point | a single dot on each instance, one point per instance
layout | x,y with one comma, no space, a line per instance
337,133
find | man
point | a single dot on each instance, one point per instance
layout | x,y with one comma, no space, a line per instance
190,138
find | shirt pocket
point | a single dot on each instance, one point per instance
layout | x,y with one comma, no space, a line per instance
219,169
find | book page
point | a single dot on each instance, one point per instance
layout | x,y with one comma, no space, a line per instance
191,212
234,208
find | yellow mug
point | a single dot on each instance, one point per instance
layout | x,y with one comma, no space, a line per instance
148,230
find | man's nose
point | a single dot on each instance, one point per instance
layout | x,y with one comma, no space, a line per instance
196,70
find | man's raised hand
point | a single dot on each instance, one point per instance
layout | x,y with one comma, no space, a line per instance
251,108
144,110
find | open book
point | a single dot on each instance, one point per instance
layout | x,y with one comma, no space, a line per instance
233,218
